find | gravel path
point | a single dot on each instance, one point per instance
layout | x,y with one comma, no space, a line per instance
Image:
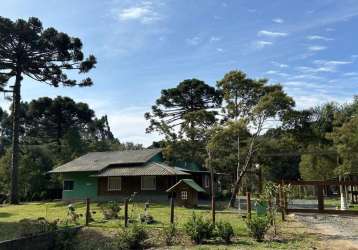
334,231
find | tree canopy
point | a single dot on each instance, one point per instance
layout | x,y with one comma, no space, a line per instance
44,55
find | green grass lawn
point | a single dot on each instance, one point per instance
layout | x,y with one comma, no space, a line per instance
10,215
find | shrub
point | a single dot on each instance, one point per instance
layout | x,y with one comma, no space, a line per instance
32,227
110,210
225,231
66,240
147,219
258,226
198,229
170,234
72,216
132,238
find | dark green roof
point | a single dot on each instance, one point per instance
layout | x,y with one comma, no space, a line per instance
189,166
191,183
98,161
149,169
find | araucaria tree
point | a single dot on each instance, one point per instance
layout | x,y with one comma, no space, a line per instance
254,103
44,55
184,113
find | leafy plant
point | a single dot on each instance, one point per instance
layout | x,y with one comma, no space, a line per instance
132,238
110,210
146,218
72,215
66,240
199,229
225,231
258,226
32,227
170,233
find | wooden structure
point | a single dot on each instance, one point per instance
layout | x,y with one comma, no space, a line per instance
115,175
186,192
319,186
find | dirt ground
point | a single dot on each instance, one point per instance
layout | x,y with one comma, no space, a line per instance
333,231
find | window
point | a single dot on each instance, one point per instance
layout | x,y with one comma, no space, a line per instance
148,183
68,185
114,183
206,181
184,195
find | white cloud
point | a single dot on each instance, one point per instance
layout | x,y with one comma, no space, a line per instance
220,50
306,76
262,44
316,37
215,39
351,74
143,12
316,48
274,72
129,124
322,66
331,62
281,65
271,33
193,41
329,29
277,20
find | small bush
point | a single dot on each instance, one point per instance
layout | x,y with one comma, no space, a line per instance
258,226
198,229
132,238
170,234
225,231
32,227
147,219
72,216
66,240
110,210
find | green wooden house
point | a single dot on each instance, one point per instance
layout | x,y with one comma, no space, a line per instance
119,174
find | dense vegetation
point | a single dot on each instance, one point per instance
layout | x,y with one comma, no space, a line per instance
244,122
241,123
52,132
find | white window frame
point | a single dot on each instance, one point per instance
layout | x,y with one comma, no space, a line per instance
184,195
114,189
63,185
155,183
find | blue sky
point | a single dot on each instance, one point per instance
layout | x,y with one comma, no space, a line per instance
310,47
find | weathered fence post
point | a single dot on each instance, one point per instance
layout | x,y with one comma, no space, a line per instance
320,197
126,213
212,186
248,197
282,203
88,213
172,209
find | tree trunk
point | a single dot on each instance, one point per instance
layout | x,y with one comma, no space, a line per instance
343,198
244,168
15,139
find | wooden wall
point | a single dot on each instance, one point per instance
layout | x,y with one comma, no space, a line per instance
131,184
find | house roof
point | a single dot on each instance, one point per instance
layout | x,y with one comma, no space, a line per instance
149,169
97,161
191,183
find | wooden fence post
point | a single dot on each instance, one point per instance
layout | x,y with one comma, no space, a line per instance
88,213
126,213
320,198
282,203
172,209
248,195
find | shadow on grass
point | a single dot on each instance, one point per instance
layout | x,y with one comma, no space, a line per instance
9,230
5,215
